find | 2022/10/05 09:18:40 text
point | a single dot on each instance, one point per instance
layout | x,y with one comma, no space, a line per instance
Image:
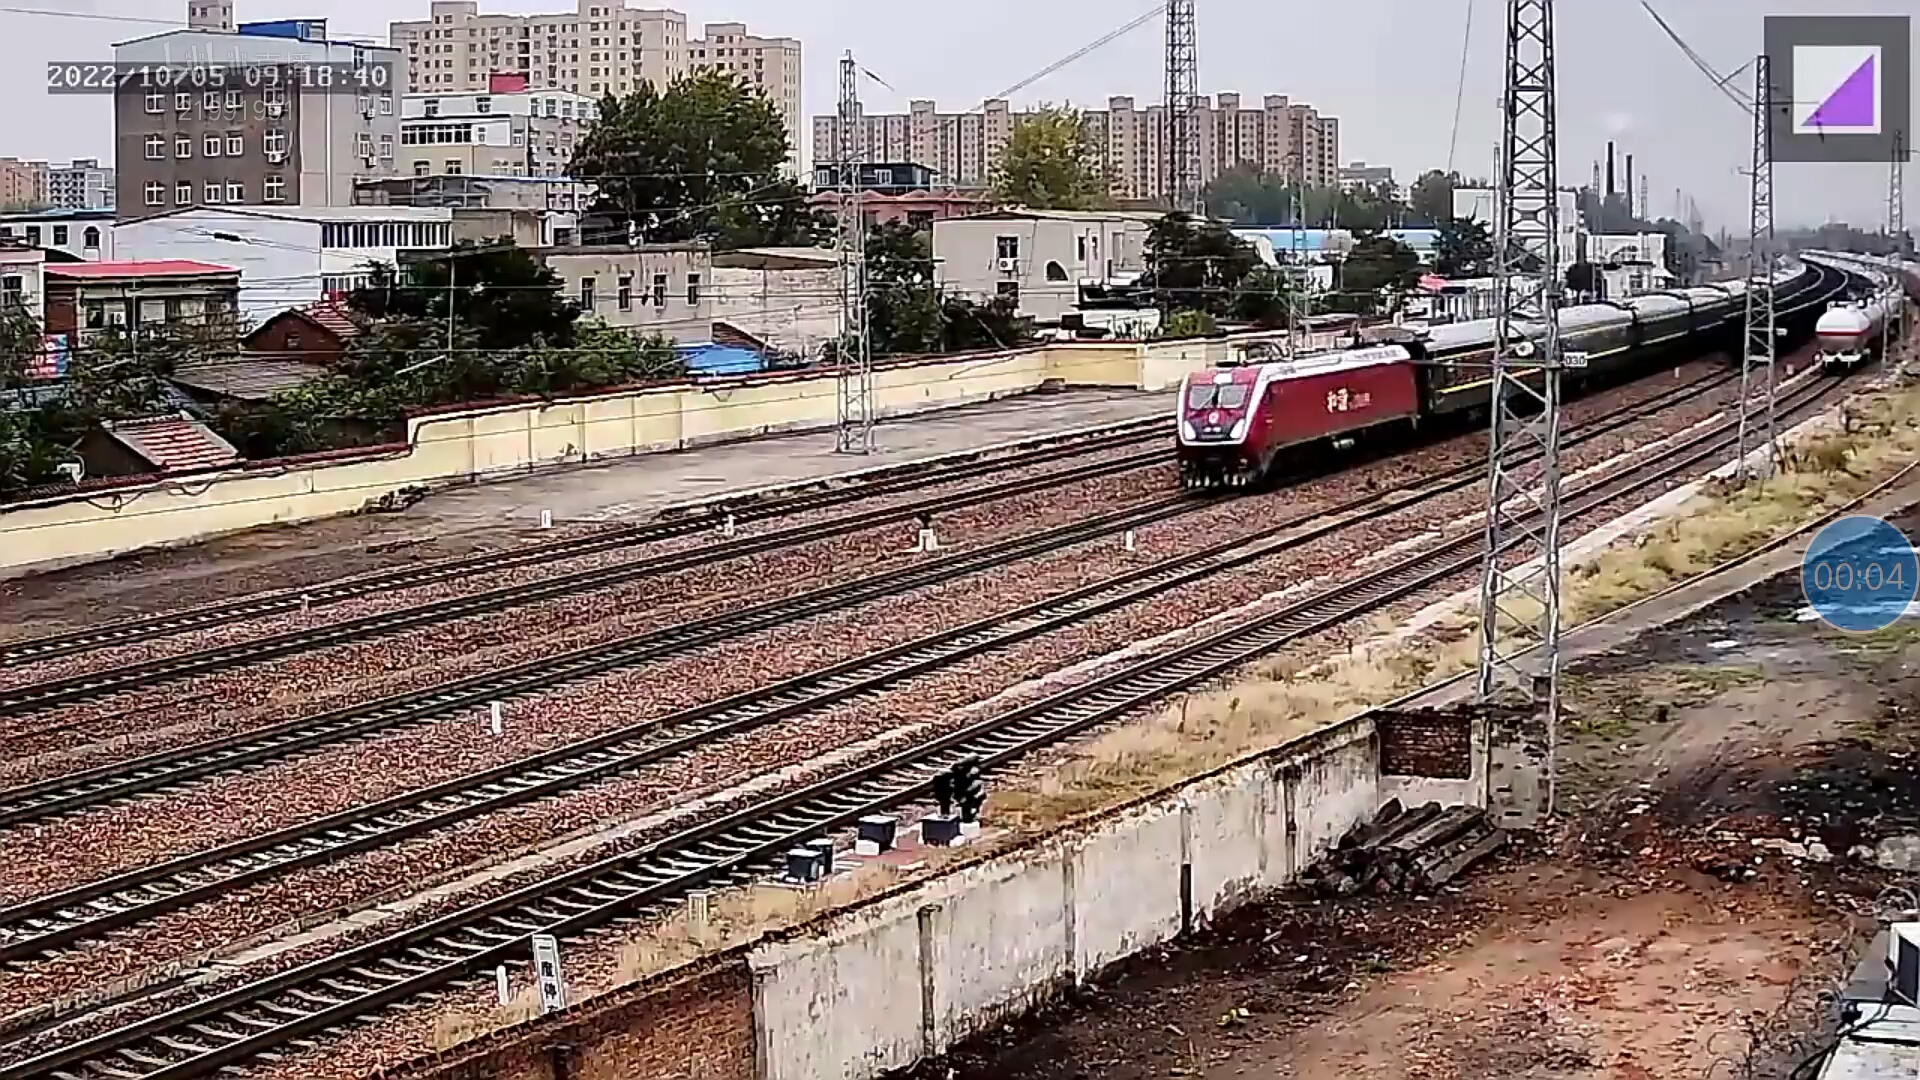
105,77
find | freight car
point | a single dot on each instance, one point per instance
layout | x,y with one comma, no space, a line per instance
1236,425
1852,332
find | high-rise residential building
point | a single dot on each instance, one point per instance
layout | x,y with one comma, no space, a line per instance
1280,137
278,140
23,184
80,185
214,15
507,130
601,47
770,64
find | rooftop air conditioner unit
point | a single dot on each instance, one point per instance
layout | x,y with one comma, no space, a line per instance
1009,266
276,156
275,108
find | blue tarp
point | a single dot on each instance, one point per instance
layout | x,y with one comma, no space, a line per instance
721,360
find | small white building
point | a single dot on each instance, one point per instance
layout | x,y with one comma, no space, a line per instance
83,234
647,288
22,281
508,131
786,297
1040,258
288,256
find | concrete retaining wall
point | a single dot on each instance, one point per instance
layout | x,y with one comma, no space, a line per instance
507,440
877,988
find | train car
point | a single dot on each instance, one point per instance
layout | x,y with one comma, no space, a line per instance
1850,334
1237,424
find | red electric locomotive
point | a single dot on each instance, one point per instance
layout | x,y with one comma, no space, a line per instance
1237,422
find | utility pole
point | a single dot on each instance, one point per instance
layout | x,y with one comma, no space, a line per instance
1520,572
1760,345
855,427
1182,148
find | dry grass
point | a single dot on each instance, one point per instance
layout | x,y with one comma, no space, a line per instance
452,1028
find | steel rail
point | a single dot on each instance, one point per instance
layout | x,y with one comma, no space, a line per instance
259,1018
33,697
52,921
280,601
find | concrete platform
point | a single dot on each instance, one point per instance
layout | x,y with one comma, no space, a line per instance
640,487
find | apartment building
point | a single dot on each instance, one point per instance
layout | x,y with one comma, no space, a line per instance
86,235
1280,136
83,184
600,47
506,130
252,145
23,184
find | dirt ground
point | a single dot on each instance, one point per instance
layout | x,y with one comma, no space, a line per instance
1646,935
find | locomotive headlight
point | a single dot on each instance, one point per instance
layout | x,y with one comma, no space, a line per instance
1239,430
1186,429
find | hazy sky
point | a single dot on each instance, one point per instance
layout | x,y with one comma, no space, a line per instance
1387,68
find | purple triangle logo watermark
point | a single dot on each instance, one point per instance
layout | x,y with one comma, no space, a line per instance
1836,89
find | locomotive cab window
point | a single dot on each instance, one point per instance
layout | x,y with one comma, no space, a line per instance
1222,396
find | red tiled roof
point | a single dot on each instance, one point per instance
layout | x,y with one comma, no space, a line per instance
333,317
143,268
173,443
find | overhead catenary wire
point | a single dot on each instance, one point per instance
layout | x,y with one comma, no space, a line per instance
1721,82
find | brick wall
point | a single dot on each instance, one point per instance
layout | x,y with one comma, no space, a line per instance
1435,743
692,1024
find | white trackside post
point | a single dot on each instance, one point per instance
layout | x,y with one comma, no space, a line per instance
546,519
1129,540
726,527
501,985
497,717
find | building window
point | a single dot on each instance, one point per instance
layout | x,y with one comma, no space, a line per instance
156,192
626,292
156,101
156,147
233,101
183,103
386,148
483,105
90,238
33,235
211,146
586,294
386,105
274,189
274,142
1008,289
183,146
693,290
236,192
182,193
210,101
422,168
363,144
453,166
59,235
660,290
1007,247
12,290
430,107
211,192
236,144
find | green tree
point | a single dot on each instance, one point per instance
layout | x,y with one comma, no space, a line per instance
996,324
601,356
1261,298
1188,322
1378,267
20,343
903,310
701,158
500,291
1463,248
1583,277
1051,163
1432,196
1197,265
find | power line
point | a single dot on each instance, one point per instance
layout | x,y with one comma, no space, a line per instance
1099,42
1720,82
1460,87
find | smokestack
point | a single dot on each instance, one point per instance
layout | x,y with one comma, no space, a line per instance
1609,168
1628,189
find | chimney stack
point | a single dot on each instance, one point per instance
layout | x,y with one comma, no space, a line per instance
1609,191
1628,189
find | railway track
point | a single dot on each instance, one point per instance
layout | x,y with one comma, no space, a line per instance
169,769
265,1018
147,628
59,919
